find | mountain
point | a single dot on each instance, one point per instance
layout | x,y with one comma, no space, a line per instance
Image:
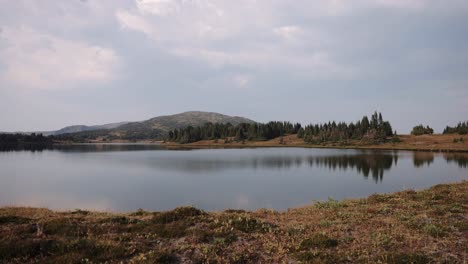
154,128
193,118
82,128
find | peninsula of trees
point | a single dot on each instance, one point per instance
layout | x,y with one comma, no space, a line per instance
374,129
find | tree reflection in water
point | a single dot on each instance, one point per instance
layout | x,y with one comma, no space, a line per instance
422,158
461,159
366,164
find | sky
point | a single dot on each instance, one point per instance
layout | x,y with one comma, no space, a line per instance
101,61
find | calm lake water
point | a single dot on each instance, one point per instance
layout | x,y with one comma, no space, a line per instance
128,177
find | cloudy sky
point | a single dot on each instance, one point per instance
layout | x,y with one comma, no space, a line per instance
100,61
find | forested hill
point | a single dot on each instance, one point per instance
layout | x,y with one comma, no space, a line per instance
373,130
155,128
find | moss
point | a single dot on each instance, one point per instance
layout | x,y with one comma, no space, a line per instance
378,198
313,257
462,226
177,214
140,212
433,230
172,230
438,210
33,248
96,251
406,258
326,223
122,220
168,258
234,211
81,212
248,224
456,208
330,204
29,248
61,226
318,241
12,219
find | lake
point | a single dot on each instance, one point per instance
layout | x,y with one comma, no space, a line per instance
125,177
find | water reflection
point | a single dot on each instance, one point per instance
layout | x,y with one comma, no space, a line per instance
32,148
460,159
423,158
129,176
85,147
365,164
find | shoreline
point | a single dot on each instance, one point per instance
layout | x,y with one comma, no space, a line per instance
221,146
390,228
427,143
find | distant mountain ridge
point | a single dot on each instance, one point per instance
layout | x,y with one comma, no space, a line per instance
154,128
81,128
185,119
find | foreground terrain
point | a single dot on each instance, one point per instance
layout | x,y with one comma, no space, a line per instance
448,142
427,226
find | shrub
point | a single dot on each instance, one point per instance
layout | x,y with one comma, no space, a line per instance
318,241
421,130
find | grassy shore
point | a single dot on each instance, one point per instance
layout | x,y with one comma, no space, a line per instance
429,226
446,143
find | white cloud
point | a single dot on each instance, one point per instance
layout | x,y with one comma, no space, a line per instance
287,32
241,80
133,22
204,30
403,4
38,60
158,7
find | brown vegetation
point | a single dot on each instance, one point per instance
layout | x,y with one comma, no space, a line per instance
448,142
407,227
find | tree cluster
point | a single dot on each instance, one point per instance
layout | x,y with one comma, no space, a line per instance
244,131
375,129
421,130
107,135
461,128
24,139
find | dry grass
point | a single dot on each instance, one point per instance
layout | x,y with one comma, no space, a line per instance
408,142
408,227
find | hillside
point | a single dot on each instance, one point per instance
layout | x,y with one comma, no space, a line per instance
193,118
154,128
82,128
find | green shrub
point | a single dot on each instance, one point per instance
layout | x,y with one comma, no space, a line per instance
318,241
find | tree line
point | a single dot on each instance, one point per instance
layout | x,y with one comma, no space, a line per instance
243,131
14,141
461,128
373,129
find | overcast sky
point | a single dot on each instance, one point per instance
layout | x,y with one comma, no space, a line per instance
97,61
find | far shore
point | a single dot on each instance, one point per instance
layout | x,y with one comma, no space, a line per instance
436,143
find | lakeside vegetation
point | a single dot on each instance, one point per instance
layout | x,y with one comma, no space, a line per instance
243,131
421,130
461,128
407,227
24,141
371,130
